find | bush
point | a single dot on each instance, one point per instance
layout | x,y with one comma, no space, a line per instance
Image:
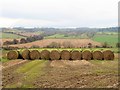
89,45
23,40
54,45
15,41
34,38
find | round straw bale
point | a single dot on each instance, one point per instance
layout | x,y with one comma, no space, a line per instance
45,54
12,55
25,54
108,55
98,55
54,55
65,55
87,55
34,54
76,55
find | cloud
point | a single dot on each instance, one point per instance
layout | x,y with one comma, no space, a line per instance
61,13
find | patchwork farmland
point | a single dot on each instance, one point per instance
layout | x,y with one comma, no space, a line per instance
61,61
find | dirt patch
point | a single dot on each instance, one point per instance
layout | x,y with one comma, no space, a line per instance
57,63
65,63
78,63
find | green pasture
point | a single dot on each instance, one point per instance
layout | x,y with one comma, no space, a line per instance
110,39
10,36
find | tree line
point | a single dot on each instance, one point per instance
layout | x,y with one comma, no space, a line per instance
24,40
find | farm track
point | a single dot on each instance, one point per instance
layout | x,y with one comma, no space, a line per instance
13,63
60,74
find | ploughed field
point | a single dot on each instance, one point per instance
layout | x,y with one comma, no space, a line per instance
60,73
41,73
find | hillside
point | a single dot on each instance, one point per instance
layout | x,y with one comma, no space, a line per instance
45,42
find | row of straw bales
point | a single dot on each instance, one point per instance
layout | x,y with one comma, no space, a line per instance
61,55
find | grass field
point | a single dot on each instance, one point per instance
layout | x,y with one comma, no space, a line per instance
10,36
110,39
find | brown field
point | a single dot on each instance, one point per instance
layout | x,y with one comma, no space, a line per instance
45,42
28,34
60,74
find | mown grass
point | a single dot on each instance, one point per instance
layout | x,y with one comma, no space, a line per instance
28,66
32,69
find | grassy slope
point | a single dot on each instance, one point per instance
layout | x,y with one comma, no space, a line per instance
10,36
110,39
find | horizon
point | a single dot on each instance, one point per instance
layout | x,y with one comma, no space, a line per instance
63,27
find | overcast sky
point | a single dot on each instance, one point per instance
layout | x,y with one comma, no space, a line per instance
58,13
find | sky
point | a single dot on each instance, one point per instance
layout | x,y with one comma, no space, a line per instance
59,13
